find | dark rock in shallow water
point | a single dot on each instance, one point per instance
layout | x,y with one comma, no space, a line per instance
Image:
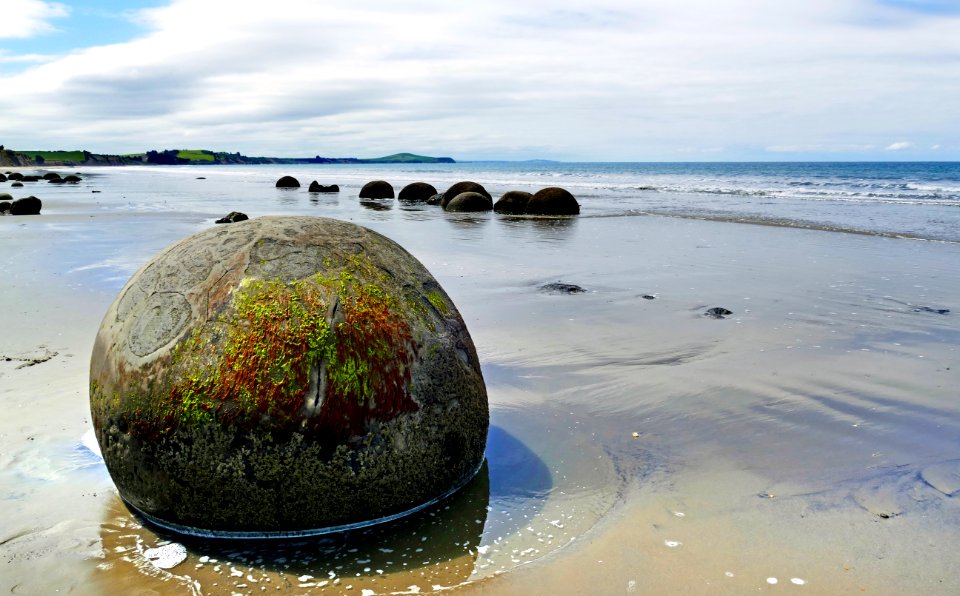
463,186
5,197
4,205
317,187
15,176
3,178
377,189
436,199
513,202
417,192
30,179
17,184
201,178
26,206
288,182
939,311
562,288
51,176
57,181
469,202
72,178
648,297
232,217
552,201
717,312
321,377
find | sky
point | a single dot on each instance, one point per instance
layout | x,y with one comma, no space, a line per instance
574,80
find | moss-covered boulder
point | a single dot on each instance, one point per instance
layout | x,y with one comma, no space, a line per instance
417,192
288,182
377,189
285,375
463,186
26,206
470,201
553,201
5,197
513,202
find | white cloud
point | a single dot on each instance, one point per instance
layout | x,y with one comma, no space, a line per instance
606,79
899,146
26,18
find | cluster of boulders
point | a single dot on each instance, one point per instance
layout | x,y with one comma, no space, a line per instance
464,196
25,206
291,182
51,177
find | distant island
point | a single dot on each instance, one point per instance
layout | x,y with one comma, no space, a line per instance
14,158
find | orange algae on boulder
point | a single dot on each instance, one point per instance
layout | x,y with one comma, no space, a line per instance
285,375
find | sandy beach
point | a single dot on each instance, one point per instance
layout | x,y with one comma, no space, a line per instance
809,442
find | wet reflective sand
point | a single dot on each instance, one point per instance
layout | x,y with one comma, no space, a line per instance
807,442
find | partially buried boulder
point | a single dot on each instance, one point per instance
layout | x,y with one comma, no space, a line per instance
317,187
4,206
26,206
436,199
232,217
552,201
51,176
15,176
56,181
72,179
376,189
463,186
288,182
3,178
513,202
287,376
417,192
17,184
470,201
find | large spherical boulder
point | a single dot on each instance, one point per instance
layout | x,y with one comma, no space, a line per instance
51,176
470,201
5,197
417,192
377,189
513,202
26,206
15,176
463,186
288,182
282,376
552,201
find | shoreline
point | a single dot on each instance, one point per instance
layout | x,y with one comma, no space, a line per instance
783,434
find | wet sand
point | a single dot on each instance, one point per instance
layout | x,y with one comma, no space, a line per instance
812,437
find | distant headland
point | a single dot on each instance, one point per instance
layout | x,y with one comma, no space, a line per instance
14,158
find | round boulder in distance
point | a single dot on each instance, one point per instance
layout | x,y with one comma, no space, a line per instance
286,376
417,192
377,189
72,179
314,187
463,186
288,182
3,178
469,201
15,176
26,206
552,201
513,202
51,176
5,197
17,184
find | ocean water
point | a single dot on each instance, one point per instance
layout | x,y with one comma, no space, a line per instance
832,385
